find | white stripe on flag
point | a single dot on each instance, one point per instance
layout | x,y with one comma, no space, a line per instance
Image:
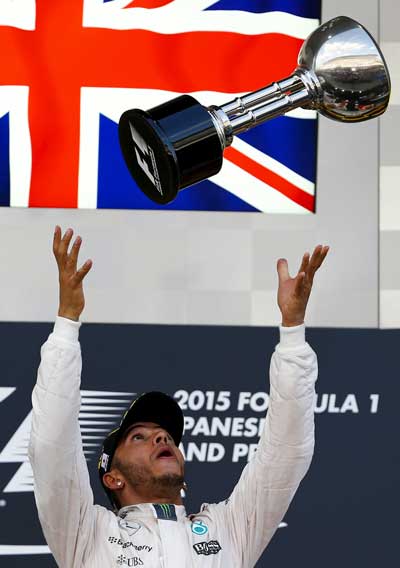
88,149
273,165
184,16
255,192
21,14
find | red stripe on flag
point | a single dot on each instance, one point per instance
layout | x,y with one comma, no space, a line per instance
271,178
148,3
191,61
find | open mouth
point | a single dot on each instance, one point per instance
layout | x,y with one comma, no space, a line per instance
165,453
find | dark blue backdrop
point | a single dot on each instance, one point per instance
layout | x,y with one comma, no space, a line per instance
345,513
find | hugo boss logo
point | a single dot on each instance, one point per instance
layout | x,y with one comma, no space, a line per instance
207,548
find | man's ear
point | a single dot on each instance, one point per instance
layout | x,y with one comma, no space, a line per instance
113,480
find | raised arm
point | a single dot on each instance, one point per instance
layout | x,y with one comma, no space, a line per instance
61,481
269,481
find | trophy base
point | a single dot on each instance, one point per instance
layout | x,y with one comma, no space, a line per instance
170,147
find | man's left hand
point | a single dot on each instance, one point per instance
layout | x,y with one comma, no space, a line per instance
293,293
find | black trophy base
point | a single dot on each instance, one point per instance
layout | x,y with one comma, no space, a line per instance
170,147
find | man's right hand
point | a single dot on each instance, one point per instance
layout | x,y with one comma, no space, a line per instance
72,299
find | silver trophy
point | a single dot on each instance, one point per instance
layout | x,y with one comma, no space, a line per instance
341,73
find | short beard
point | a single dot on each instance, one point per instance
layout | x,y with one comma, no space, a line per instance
165,486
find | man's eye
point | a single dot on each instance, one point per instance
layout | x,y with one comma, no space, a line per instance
137,437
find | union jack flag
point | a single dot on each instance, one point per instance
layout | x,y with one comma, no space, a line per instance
68,69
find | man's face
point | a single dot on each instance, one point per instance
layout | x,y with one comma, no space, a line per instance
147,455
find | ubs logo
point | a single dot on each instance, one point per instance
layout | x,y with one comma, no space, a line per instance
134,561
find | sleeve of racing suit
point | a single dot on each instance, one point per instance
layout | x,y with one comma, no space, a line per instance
269,481
63,494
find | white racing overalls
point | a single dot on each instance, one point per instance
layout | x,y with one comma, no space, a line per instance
229,534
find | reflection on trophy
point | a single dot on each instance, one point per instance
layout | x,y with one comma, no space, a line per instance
341,73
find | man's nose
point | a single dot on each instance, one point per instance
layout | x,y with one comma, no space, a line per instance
161,437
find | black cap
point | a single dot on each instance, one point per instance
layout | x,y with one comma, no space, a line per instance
152,406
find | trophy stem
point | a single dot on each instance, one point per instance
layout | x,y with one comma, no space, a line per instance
277,107
257,107
251,101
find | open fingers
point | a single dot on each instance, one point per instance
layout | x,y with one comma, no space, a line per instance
317,258
73,256
304,262
298,288
81,273
64,244
324,253
56,240
283,270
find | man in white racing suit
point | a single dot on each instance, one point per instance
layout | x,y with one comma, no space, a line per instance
143,469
